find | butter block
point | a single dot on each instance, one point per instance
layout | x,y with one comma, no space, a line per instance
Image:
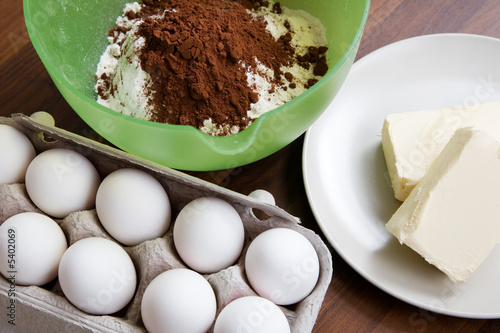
452,217
411,141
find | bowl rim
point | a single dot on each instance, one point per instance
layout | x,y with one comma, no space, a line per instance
251,130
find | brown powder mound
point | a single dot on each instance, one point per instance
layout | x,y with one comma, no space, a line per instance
194,55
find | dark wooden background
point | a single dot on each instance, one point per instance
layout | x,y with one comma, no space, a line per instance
352,304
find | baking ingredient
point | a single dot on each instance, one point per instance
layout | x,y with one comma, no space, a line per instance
178,300
251,314
61,181
97,276
412,140
263,196
211,64
209,234
16,153
151,257
32,245
282,266
133,206
451,217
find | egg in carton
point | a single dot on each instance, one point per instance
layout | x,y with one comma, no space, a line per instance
45,309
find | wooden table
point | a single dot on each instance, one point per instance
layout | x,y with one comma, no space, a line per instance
352,304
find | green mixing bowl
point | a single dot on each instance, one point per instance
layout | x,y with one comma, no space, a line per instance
69,36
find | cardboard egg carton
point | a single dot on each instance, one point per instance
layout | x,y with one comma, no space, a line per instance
45,309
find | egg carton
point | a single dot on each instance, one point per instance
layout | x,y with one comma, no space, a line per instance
45,309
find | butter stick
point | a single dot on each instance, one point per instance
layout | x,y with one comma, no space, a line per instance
452,216
411,141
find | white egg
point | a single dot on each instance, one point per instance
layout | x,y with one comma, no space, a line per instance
16,153
263,196
178,300
282,266
251,314
61,181
97,276
133,206
31,247
209,234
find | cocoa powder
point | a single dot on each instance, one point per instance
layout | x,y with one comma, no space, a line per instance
194,55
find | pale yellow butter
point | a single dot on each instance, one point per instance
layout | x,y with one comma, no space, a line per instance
452,216
411,141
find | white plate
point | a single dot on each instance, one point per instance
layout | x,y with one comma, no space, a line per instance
345,174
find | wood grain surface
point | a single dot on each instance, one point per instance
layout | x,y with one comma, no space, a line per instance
352,304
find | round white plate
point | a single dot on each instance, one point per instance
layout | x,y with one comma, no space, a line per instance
346,178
